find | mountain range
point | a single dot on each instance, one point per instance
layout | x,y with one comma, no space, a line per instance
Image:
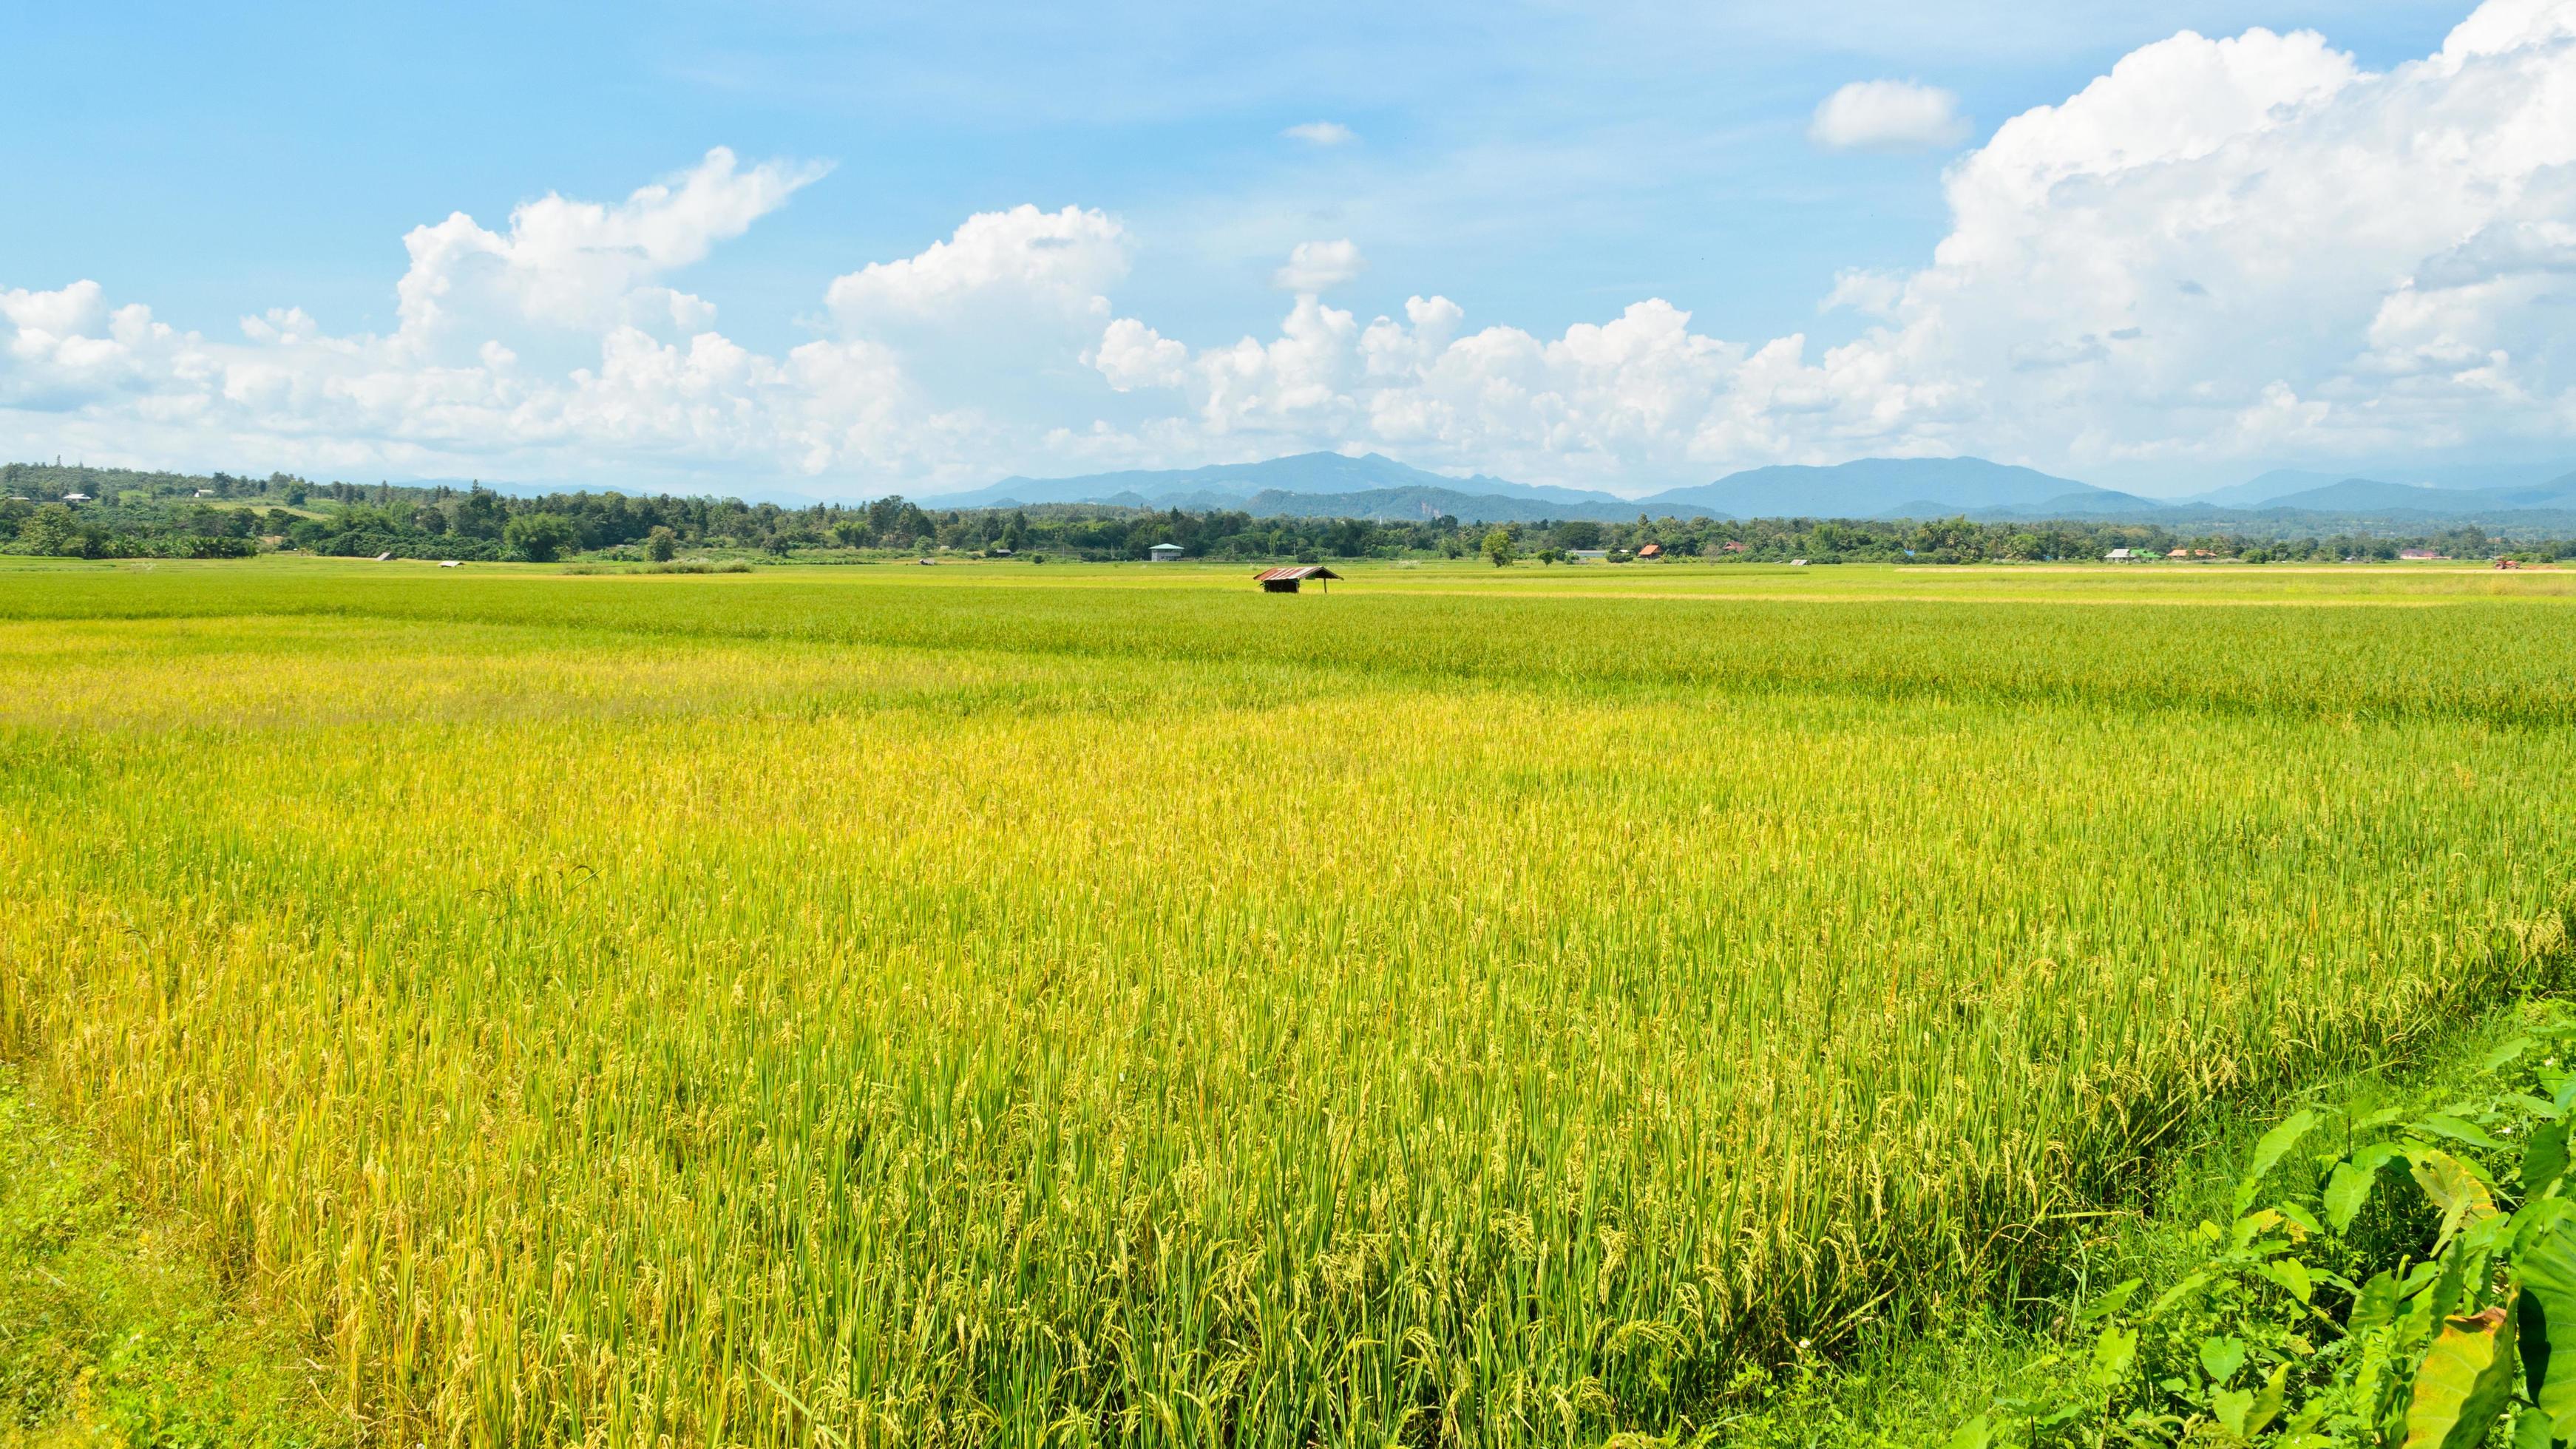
1303,474
1891,488
2370,496
1377,487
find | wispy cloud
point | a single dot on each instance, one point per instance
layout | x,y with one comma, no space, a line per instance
1322,133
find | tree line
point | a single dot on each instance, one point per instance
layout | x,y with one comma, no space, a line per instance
117,513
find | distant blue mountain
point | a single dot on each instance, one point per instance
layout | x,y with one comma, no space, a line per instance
1301,474
1373,486
2257,491
1869,488
2092,503
2368,495
2275,488
1883,488
1414,505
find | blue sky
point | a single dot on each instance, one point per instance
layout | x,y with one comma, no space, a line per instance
1542,167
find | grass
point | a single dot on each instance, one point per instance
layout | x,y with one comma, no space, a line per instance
1088,1004
115,1327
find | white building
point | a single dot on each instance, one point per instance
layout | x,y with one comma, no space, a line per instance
1165,552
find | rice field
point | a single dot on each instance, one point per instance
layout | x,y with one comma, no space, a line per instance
1070,1006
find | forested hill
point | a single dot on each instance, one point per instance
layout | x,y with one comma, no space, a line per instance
109,513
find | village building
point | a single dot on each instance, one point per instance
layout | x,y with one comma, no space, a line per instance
1165,553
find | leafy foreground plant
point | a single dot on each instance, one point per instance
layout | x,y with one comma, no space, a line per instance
2417,1289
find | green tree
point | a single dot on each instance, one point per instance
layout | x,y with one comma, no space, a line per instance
661,544
538,537
1499,548
52,532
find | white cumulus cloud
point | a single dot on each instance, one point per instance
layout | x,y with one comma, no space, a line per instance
999,265
1132,355
584,264
1319,266
1888,115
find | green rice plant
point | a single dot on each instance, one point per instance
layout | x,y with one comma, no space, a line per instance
1090,1005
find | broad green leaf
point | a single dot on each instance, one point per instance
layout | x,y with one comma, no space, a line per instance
2449,1290
2255,1224
2544,1157
2503,1054
2442,1124
2176,1294
2220,1358
2463,1383
2112,1356
2428,1307
2267,1404
2111,1301
2375,1305
2269,1151
2345,1193
2533,1430
2232,1406
2455,1191
2547,1268
2292,1275
1974,1434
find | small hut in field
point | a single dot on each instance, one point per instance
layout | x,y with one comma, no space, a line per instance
1286,580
